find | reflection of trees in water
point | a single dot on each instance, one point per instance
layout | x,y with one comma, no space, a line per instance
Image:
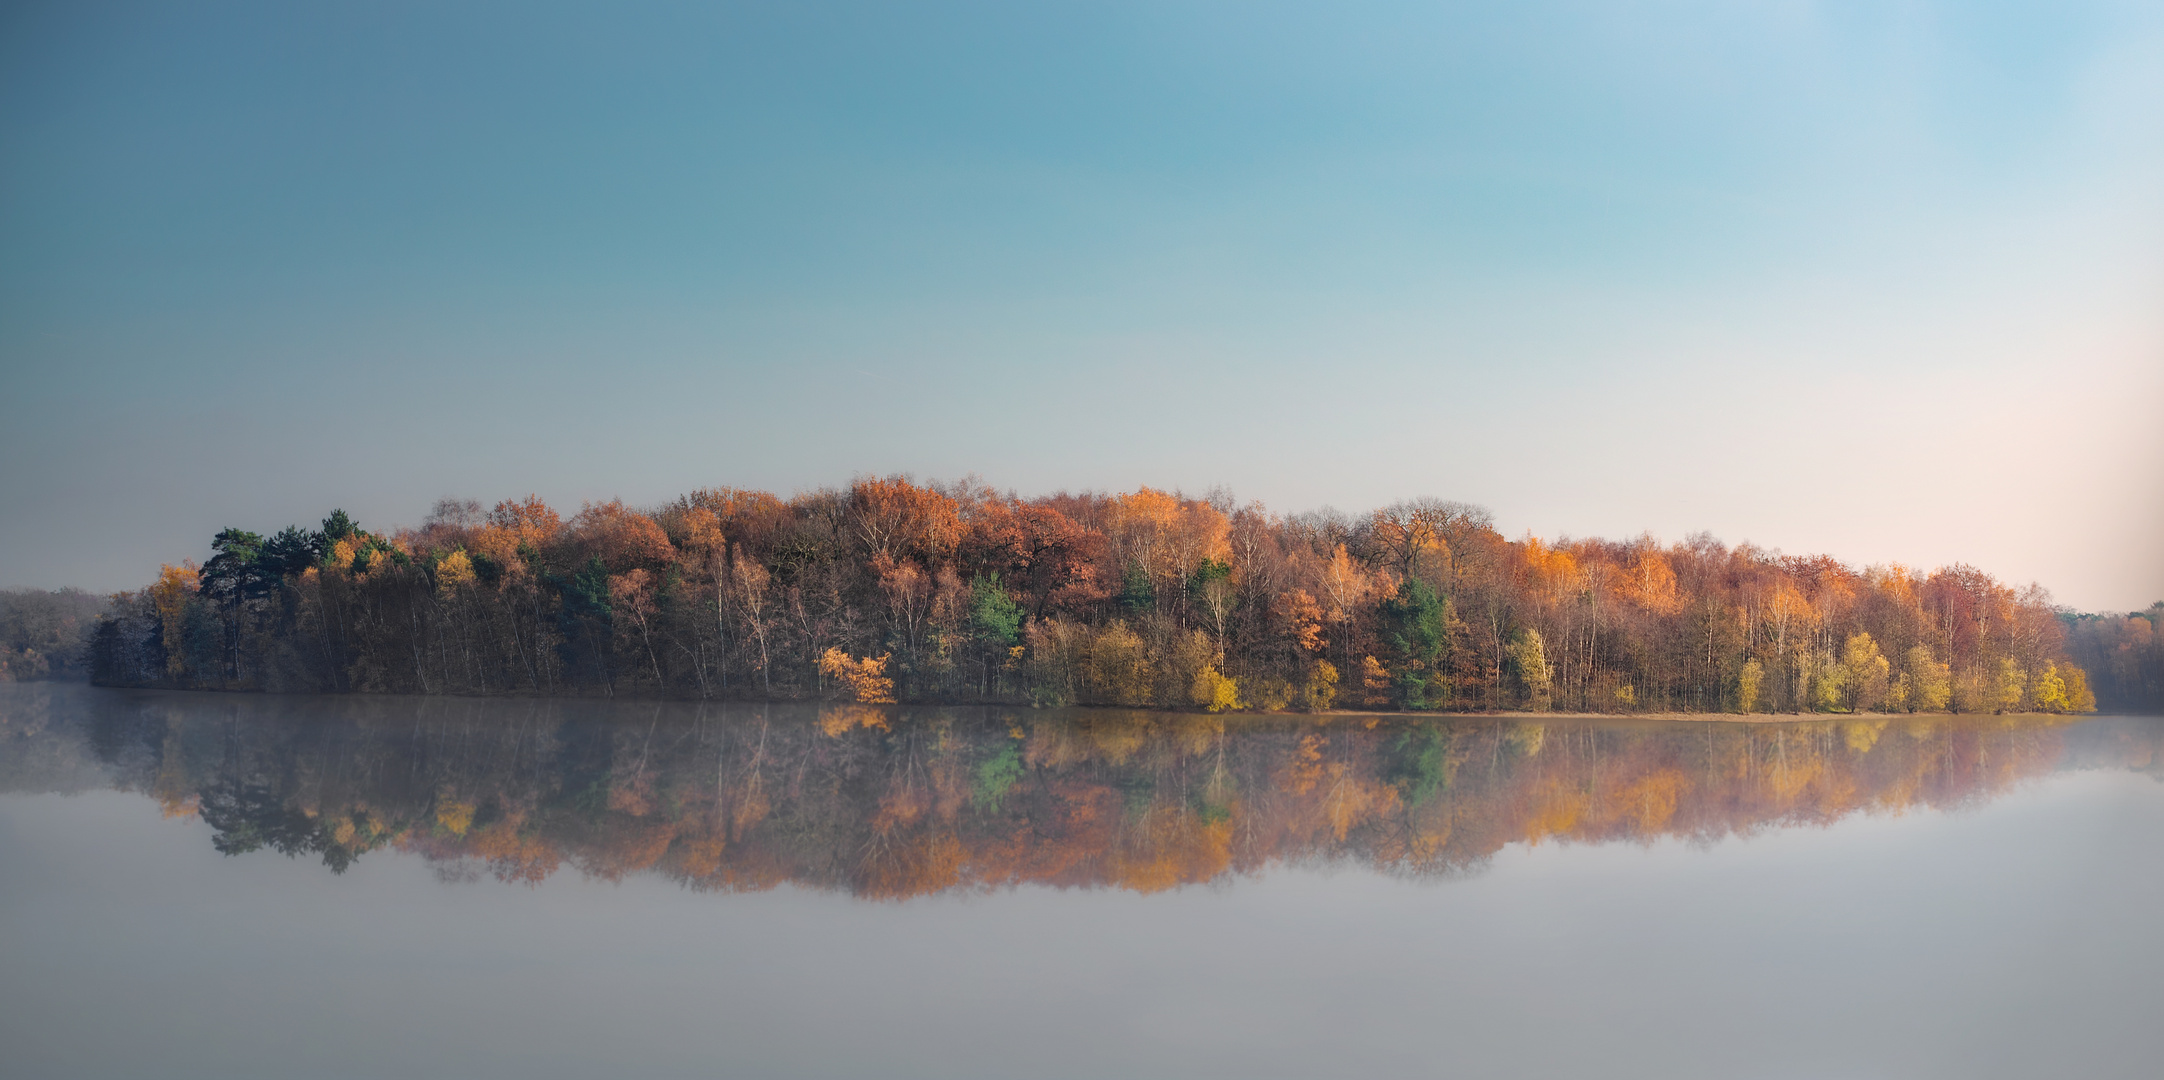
907,801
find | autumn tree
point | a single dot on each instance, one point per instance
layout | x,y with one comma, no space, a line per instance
1146,597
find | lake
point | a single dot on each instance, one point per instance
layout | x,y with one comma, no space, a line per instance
264,886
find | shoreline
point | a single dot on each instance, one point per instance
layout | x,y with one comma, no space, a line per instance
1324,714
1695,717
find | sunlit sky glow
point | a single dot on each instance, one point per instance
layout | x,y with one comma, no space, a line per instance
1880,280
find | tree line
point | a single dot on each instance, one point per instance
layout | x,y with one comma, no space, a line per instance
45,633
2124,654
892,590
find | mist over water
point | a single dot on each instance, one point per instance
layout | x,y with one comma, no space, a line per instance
547,888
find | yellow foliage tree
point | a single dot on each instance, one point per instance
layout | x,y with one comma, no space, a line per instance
1375,679
1868,674
2012,682
1119,667
1321,688
1215,692
453,572
1897,693
1749,682
865,679
1529,654
1931,684
2050,691
2079,698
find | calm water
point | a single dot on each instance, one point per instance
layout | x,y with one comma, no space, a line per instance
203,885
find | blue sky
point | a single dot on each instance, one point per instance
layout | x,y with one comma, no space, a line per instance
1879,280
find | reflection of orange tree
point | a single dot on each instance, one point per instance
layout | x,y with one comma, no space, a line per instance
902,802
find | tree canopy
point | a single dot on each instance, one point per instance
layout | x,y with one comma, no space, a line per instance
956,592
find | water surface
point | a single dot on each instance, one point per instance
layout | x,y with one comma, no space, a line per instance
210,885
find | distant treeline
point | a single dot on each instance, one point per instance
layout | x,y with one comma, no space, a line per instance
890,589
2124,653
45,634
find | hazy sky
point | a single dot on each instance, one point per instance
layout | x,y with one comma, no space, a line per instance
1880,280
